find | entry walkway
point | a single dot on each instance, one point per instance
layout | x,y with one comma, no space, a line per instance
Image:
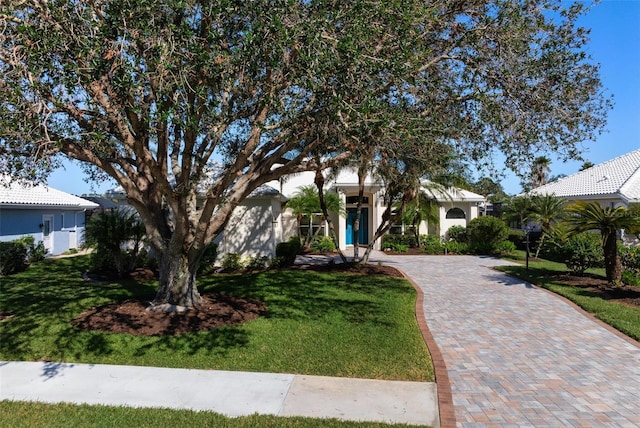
519,356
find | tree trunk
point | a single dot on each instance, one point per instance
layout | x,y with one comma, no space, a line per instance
612,264
362,175
177,282
319,180
544,234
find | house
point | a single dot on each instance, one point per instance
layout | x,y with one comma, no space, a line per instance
54,217
457,207
614,183
262,220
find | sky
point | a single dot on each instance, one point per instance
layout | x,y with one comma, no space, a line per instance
614,44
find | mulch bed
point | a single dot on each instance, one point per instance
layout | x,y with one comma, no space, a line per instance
131,316
625,294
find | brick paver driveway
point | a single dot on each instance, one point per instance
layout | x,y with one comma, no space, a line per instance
519,356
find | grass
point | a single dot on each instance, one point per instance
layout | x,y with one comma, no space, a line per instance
318,324
626,319
35,415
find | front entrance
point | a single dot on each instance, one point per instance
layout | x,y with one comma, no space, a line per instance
363,233
47,232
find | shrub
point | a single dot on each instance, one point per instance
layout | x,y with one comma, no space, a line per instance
505,247
485,234
286,252
322,244
232,261
392,241
35,252
13,257
630,259
518,237
580,252
456,234
431,244
455,247
630,279
208,258
258,263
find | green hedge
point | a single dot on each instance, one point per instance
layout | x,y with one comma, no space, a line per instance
13,257
286,252
393,242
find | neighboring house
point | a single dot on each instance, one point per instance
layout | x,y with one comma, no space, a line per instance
615,183
54,217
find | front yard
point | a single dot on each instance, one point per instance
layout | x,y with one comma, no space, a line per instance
329,324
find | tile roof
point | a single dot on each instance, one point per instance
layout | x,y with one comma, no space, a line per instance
36,196
618,177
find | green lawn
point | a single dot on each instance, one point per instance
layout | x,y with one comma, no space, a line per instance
36,415
318,324
541,272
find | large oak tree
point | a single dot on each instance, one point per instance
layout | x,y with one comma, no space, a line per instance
148,92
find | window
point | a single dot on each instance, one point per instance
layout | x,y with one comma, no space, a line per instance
354,200
456,213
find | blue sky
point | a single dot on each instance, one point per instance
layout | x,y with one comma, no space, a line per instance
615,44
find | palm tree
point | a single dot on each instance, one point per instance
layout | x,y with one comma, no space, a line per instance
540,171
109,231
546,209
422,208
518,209
584,216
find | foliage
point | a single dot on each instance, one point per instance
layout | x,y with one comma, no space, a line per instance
583,216
13,257
35,252
518,238
110,233
486,234
392,241
323,244
149,93
518,210
456,234
455,247
431,244
257,263
286,252
630,259
232,262
580,252
547,210
505,248
208,258
423,208
306,203
318,324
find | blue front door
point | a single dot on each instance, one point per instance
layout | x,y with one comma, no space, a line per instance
363,233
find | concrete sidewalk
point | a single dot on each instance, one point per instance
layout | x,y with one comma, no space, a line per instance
229,393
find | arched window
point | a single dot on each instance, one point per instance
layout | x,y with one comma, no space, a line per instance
456,213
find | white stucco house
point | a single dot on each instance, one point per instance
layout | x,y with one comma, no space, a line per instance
54,217
262,220
457,206
614,183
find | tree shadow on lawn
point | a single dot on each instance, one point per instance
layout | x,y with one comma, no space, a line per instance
294,294
46,300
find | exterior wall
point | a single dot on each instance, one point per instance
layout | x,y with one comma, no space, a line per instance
254,229
67,229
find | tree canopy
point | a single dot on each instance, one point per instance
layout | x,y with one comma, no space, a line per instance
149,92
